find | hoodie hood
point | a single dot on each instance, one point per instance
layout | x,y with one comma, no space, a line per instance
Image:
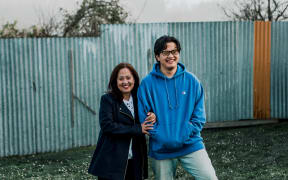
156,71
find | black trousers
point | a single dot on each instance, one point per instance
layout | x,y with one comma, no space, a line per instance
130,171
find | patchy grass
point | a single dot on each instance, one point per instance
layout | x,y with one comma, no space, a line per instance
70,164
258,152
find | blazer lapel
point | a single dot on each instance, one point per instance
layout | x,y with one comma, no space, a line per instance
123,108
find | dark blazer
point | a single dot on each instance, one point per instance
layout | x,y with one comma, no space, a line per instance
117,128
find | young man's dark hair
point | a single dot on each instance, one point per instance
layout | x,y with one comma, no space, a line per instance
161,44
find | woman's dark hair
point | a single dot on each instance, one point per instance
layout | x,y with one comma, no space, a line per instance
112,86
161,44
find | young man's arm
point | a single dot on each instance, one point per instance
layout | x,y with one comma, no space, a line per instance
198,117
143,107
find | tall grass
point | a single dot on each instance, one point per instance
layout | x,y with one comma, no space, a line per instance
258,152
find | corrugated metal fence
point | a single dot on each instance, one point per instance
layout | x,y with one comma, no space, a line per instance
50,88
279,70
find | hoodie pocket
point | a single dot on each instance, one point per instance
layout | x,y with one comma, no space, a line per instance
170,138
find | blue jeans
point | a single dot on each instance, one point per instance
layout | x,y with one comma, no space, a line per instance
198,164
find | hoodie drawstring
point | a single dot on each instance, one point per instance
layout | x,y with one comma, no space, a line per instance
168,97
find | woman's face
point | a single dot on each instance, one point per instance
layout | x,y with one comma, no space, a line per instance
125,81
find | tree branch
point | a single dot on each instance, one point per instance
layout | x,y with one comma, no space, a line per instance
282,13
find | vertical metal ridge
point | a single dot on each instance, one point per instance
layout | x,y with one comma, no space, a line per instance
24,103
78,85
62,89
16,109
2,99
90,67
8,101
98,86
40,80
87,91
83,92
37,93
45,109
96,92
53,93
67,45
26,133
50,95
49,89
55,100
56,83
4,118
18,101
12,111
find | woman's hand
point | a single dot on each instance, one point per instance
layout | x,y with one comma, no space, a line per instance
151,117
146,125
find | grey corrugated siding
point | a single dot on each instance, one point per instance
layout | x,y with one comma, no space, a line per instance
279,70
34,108
36,89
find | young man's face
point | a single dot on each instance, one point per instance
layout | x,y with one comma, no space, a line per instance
169,57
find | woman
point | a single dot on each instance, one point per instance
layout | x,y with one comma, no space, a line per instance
121,148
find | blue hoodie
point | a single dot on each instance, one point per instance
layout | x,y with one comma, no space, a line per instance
178,104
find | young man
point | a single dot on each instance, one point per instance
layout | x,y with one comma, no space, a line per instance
177,99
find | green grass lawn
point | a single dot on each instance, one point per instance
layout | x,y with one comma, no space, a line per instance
258,152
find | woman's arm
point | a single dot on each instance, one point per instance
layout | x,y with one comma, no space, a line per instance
148,123
109,125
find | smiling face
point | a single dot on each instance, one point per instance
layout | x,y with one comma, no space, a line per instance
125,82
168,58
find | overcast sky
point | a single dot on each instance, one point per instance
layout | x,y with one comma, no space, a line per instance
28,12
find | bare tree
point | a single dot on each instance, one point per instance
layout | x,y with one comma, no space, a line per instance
49,24
258,10
87,19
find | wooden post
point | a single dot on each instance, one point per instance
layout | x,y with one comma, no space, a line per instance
261,70
71,79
